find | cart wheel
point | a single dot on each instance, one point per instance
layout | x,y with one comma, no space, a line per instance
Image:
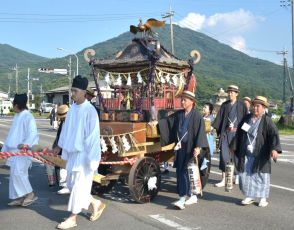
143,171
98,189
204,174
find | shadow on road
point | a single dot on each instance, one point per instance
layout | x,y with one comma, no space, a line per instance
48,205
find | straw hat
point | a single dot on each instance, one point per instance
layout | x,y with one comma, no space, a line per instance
188,94
62,111
247,99
233,88
90,91
260,100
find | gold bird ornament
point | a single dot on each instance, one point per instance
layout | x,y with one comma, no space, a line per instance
147,27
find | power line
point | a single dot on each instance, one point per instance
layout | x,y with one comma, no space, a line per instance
55,18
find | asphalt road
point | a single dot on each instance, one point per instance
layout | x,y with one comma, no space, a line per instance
217,209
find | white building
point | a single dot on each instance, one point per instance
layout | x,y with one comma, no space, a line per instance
5,103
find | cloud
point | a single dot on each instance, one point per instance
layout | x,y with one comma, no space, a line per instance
238,43
230,28
239,20
193,21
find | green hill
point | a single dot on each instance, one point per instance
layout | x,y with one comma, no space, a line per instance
220,65
9,56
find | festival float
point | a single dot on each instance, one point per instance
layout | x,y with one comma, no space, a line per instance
145,81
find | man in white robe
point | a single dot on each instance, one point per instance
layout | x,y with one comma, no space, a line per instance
22,132
80,143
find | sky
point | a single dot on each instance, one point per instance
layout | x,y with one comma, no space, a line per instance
258,28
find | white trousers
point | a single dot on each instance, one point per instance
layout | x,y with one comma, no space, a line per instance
80,184
19,184
62,177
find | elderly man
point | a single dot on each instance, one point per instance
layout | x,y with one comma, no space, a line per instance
186,128
226,122
256,142
80,144
247,101
22,132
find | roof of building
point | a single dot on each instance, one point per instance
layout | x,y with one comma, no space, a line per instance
63,89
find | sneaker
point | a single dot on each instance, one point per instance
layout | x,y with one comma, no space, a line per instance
237,179
263,203
63,191
220,184
247,200
180,204
192,200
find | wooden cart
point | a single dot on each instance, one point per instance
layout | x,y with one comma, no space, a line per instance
142,78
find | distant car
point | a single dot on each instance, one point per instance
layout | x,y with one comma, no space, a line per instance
46,107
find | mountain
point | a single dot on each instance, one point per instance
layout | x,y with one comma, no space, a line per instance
9,56
220,65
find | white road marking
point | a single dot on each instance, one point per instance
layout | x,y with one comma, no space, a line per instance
272,185
42,134
285,151
214,172
171,223
287,138
282,187
47,135
287,144
285,160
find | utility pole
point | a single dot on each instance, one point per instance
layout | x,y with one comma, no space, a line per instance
16,77
9,79
69,81
170,15
28,79
284,53
292,10
286,3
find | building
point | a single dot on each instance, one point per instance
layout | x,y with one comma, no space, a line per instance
60,95
3,96
5,103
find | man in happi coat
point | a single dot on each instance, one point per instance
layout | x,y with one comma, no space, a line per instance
80,144
185,127
226,122
22,132
256,142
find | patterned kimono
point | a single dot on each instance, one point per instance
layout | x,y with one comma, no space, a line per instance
255,164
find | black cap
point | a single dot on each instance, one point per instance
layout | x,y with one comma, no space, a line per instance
80,82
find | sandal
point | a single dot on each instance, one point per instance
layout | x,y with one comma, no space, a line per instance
95,216
17,202
29,200
67,224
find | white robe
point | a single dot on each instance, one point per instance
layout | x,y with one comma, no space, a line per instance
80,143
22,131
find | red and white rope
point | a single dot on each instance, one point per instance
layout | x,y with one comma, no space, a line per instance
37,155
